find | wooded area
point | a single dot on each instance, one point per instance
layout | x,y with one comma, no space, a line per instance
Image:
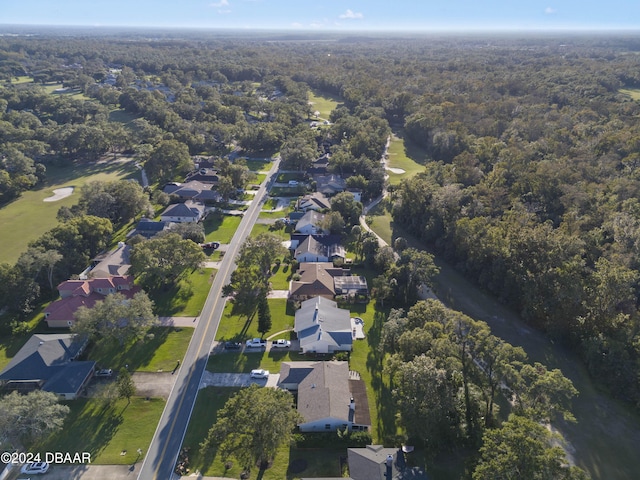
531,148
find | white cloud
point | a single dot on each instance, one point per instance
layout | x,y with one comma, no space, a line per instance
221,3
350,14
550,11
296,25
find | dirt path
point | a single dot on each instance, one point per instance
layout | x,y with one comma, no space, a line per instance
605,440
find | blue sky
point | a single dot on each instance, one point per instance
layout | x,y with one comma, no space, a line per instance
305,15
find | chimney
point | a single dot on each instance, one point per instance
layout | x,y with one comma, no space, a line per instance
389,461
352,404
315,315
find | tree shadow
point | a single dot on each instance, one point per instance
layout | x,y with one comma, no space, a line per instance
387,427
89,428
412,150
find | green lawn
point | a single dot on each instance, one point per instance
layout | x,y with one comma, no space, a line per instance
187,297
258,165
237,327
320,463
28,217
107,430
380,221
281,275
259,228
406,155
161,352
324,103
634,93
121,116
220,228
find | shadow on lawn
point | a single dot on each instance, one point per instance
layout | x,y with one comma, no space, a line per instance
387,429
136,354
89,430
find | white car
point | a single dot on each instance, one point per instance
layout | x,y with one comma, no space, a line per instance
35,468
259,373
281,343
256,343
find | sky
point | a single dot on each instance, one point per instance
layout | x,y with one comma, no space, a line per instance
331,15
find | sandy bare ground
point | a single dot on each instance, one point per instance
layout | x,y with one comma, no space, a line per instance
59,194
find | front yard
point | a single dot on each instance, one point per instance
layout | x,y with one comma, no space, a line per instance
112,433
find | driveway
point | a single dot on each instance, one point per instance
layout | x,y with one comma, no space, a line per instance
152,384
236,380
93,472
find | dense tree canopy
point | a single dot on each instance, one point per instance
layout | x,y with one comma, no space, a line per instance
253,424
25,419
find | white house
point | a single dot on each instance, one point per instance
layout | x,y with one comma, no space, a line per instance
310,223
315,248
322,327
183,212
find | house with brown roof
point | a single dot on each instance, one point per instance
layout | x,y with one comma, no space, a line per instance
325,398
322,279
85,293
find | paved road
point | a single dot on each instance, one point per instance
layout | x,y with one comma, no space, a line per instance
165,446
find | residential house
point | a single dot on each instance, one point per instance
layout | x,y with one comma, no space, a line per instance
322,327
330,185
85,293
149,228
207,176
115,263
49,362
316,201
319,166
316,248
192,190
310,223
183,212
375,462
316,280
325,399
322,279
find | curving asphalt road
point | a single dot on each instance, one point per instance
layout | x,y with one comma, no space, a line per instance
163,452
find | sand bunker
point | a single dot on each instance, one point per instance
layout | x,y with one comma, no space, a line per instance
397,171
59,194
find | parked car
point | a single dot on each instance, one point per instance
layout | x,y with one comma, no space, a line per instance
232,345
256,343
259,373
280,343
104,372
210,245
37,468
293,183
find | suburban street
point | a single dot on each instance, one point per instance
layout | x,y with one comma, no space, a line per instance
163,452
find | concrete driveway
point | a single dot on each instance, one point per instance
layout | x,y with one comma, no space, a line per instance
236,380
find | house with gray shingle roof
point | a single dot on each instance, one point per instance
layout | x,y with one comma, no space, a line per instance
48,362
183,212
322,327
317,248
310,223
375,462
325,398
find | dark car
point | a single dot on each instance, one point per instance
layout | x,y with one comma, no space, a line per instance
210,245
104,372
232,345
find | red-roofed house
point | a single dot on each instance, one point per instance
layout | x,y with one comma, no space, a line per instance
77,293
